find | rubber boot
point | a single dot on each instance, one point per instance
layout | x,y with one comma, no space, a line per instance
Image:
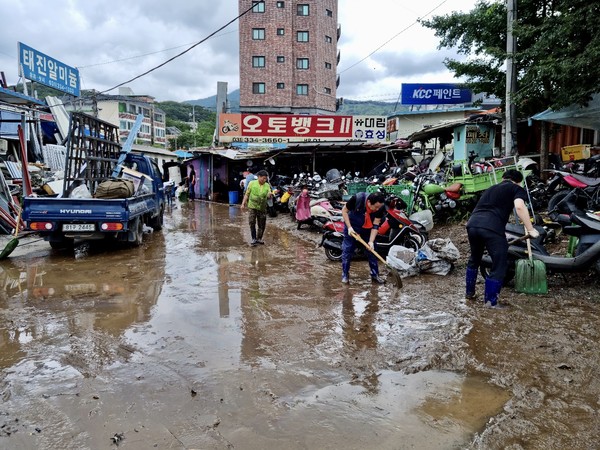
470,280
492,289
345,272
374,270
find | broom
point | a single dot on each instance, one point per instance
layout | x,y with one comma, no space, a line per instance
394,272
530,275
12,244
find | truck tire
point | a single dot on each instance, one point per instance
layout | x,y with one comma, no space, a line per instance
138,232
157,222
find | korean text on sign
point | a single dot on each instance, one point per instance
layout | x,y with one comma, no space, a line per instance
41,68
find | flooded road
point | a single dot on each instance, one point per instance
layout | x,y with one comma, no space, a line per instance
196,340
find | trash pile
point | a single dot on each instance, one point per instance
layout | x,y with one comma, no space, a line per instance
436,257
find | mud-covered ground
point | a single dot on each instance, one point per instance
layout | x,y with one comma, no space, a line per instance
543,349
197,340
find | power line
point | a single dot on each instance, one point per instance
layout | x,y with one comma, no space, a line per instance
139,56
254,3
392,38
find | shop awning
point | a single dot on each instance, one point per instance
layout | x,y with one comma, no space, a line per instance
575,115
16,98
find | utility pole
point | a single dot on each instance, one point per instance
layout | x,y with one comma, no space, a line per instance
510,121
194,126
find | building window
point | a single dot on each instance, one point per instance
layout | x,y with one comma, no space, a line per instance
280,85
258,61
259,7
302,10
122,124
329,13
302,36
258,88
280,31
281,4
302,89
302,63
328,65
280,59
258,34
327,39
327,90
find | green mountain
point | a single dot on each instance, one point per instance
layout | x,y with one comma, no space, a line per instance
348,107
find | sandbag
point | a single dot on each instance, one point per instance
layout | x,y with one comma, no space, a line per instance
115,188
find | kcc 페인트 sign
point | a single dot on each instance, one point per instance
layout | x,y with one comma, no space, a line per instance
434,94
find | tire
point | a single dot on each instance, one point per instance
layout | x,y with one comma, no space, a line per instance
412,242
333,254
157,222
138,232
554,209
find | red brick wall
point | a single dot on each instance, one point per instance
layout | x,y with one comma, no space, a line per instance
318,24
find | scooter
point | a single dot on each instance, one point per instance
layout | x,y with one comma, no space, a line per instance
396,229
584,251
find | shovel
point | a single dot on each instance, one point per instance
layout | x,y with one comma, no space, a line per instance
530,275
12,244
394,272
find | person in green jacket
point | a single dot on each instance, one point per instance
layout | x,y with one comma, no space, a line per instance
257,193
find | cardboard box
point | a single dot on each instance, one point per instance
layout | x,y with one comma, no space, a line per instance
138,178
575,152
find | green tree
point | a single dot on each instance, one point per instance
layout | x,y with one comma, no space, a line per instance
558,50
188,139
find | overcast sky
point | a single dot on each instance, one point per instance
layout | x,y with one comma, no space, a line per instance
113,41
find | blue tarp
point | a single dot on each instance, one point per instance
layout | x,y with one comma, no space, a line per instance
183,154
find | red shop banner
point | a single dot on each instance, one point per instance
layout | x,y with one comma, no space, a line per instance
281,128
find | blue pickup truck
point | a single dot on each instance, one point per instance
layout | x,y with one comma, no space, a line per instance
64,221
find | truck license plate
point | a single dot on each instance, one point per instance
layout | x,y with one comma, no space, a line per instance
78,227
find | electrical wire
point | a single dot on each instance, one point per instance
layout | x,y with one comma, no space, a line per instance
392,38
254,3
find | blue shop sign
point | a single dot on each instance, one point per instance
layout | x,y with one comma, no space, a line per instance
41,68
434,94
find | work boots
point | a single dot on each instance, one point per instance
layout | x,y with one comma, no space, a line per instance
470,280
492,289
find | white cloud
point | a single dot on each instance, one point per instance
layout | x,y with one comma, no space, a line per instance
114,41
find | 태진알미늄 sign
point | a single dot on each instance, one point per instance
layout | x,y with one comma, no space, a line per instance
41,68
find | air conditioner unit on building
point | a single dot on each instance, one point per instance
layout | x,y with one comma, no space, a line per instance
3,146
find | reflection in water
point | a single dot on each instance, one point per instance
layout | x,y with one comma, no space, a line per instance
65,296
359,311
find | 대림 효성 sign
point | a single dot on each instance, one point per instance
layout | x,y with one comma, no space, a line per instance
41,68
281,128
434,94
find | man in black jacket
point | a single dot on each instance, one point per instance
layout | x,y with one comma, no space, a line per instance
486,232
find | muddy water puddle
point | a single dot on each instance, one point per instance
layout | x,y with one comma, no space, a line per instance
197,340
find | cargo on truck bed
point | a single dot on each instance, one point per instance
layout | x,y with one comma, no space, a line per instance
108,193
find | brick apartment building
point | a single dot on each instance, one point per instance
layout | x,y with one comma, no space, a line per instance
288,56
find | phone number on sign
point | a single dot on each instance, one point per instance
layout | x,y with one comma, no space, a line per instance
259,140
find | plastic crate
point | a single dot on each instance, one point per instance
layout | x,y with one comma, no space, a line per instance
355,188
405,191
575,152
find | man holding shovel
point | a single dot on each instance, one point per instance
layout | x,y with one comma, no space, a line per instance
486,232
362,214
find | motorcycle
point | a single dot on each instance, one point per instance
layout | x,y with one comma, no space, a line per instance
396,229
583,192
584,251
